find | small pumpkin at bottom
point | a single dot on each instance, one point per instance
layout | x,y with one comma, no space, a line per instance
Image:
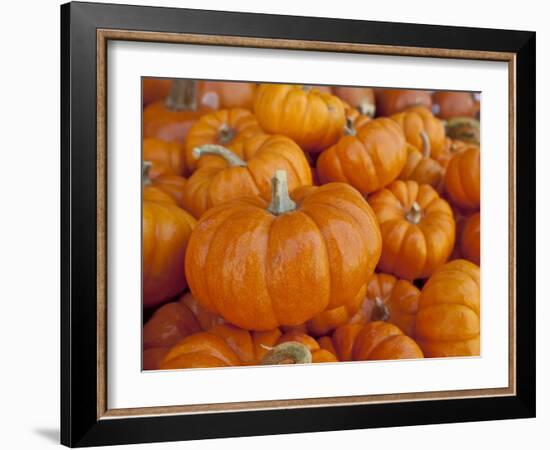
261,265
447,321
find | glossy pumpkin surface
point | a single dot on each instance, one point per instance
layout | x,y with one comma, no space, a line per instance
260,265
368,160
417,226
166,232
234,178
447,322
313,119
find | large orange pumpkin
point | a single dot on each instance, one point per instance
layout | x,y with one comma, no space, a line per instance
462,179
418,229
262,156
361,98
167,158
418,122
171,119
392,101
374,341
313,119
447,322
449,104
221,127
469,242
261,265
420,167
369,158
166,232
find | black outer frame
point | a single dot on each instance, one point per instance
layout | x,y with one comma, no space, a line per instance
79,423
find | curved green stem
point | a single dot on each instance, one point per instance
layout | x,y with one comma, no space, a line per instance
212,149
280,199
295,352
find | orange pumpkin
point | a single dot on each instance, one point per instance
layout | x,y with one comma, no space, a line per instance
374,341
313,119
361,98
418,229
369,158
449,104
447,322
420,167
154,89
450,149
167,158
165,188
166,232
261,265
221,127
227,94
463,129
262,155
354,120
469,242
318,354
392,101
418,122
462,178
171,119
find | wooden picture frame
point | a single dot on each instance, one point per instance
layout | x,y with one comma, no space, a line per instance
85,417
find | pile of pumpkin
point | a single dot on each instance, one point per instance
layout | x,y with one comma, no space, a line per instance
296,224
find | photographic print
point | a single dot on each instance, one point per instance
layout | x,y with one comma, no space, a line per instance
298,224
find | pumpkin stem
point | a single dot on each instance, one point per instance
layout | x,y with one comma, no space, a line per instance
426,149
145,169
381,311
306,88
294,352
366,108
280,200
349,129
415,214
463,129
212,149
225,134
183,96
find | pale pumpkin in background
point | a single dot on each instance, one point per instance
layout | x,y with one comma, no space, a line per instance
392,101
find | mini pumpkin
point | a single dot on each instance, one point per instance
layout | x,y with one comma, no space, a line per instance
164,188
361,98
417,226
221,127
167,158
417,123
368,158
462,178
374,341
313,119
469,242
261,265
171,119
449,104
166,232
392,101
420,167
262,155
447,321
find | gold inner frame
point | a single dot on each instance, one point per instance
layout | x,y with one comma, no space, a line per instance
103,36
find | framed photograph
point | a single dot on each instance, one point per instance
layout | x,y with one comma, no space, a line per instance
276,224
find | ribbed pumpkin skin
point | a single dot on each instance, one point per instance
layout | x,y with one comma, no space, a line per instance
222,127
423,170
418,119
259,271
166,232
168,155
392,101
264,154
448,321
313,119
462,179
368,161
448,104
171,185
373,341
221,346
469,243
410,250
